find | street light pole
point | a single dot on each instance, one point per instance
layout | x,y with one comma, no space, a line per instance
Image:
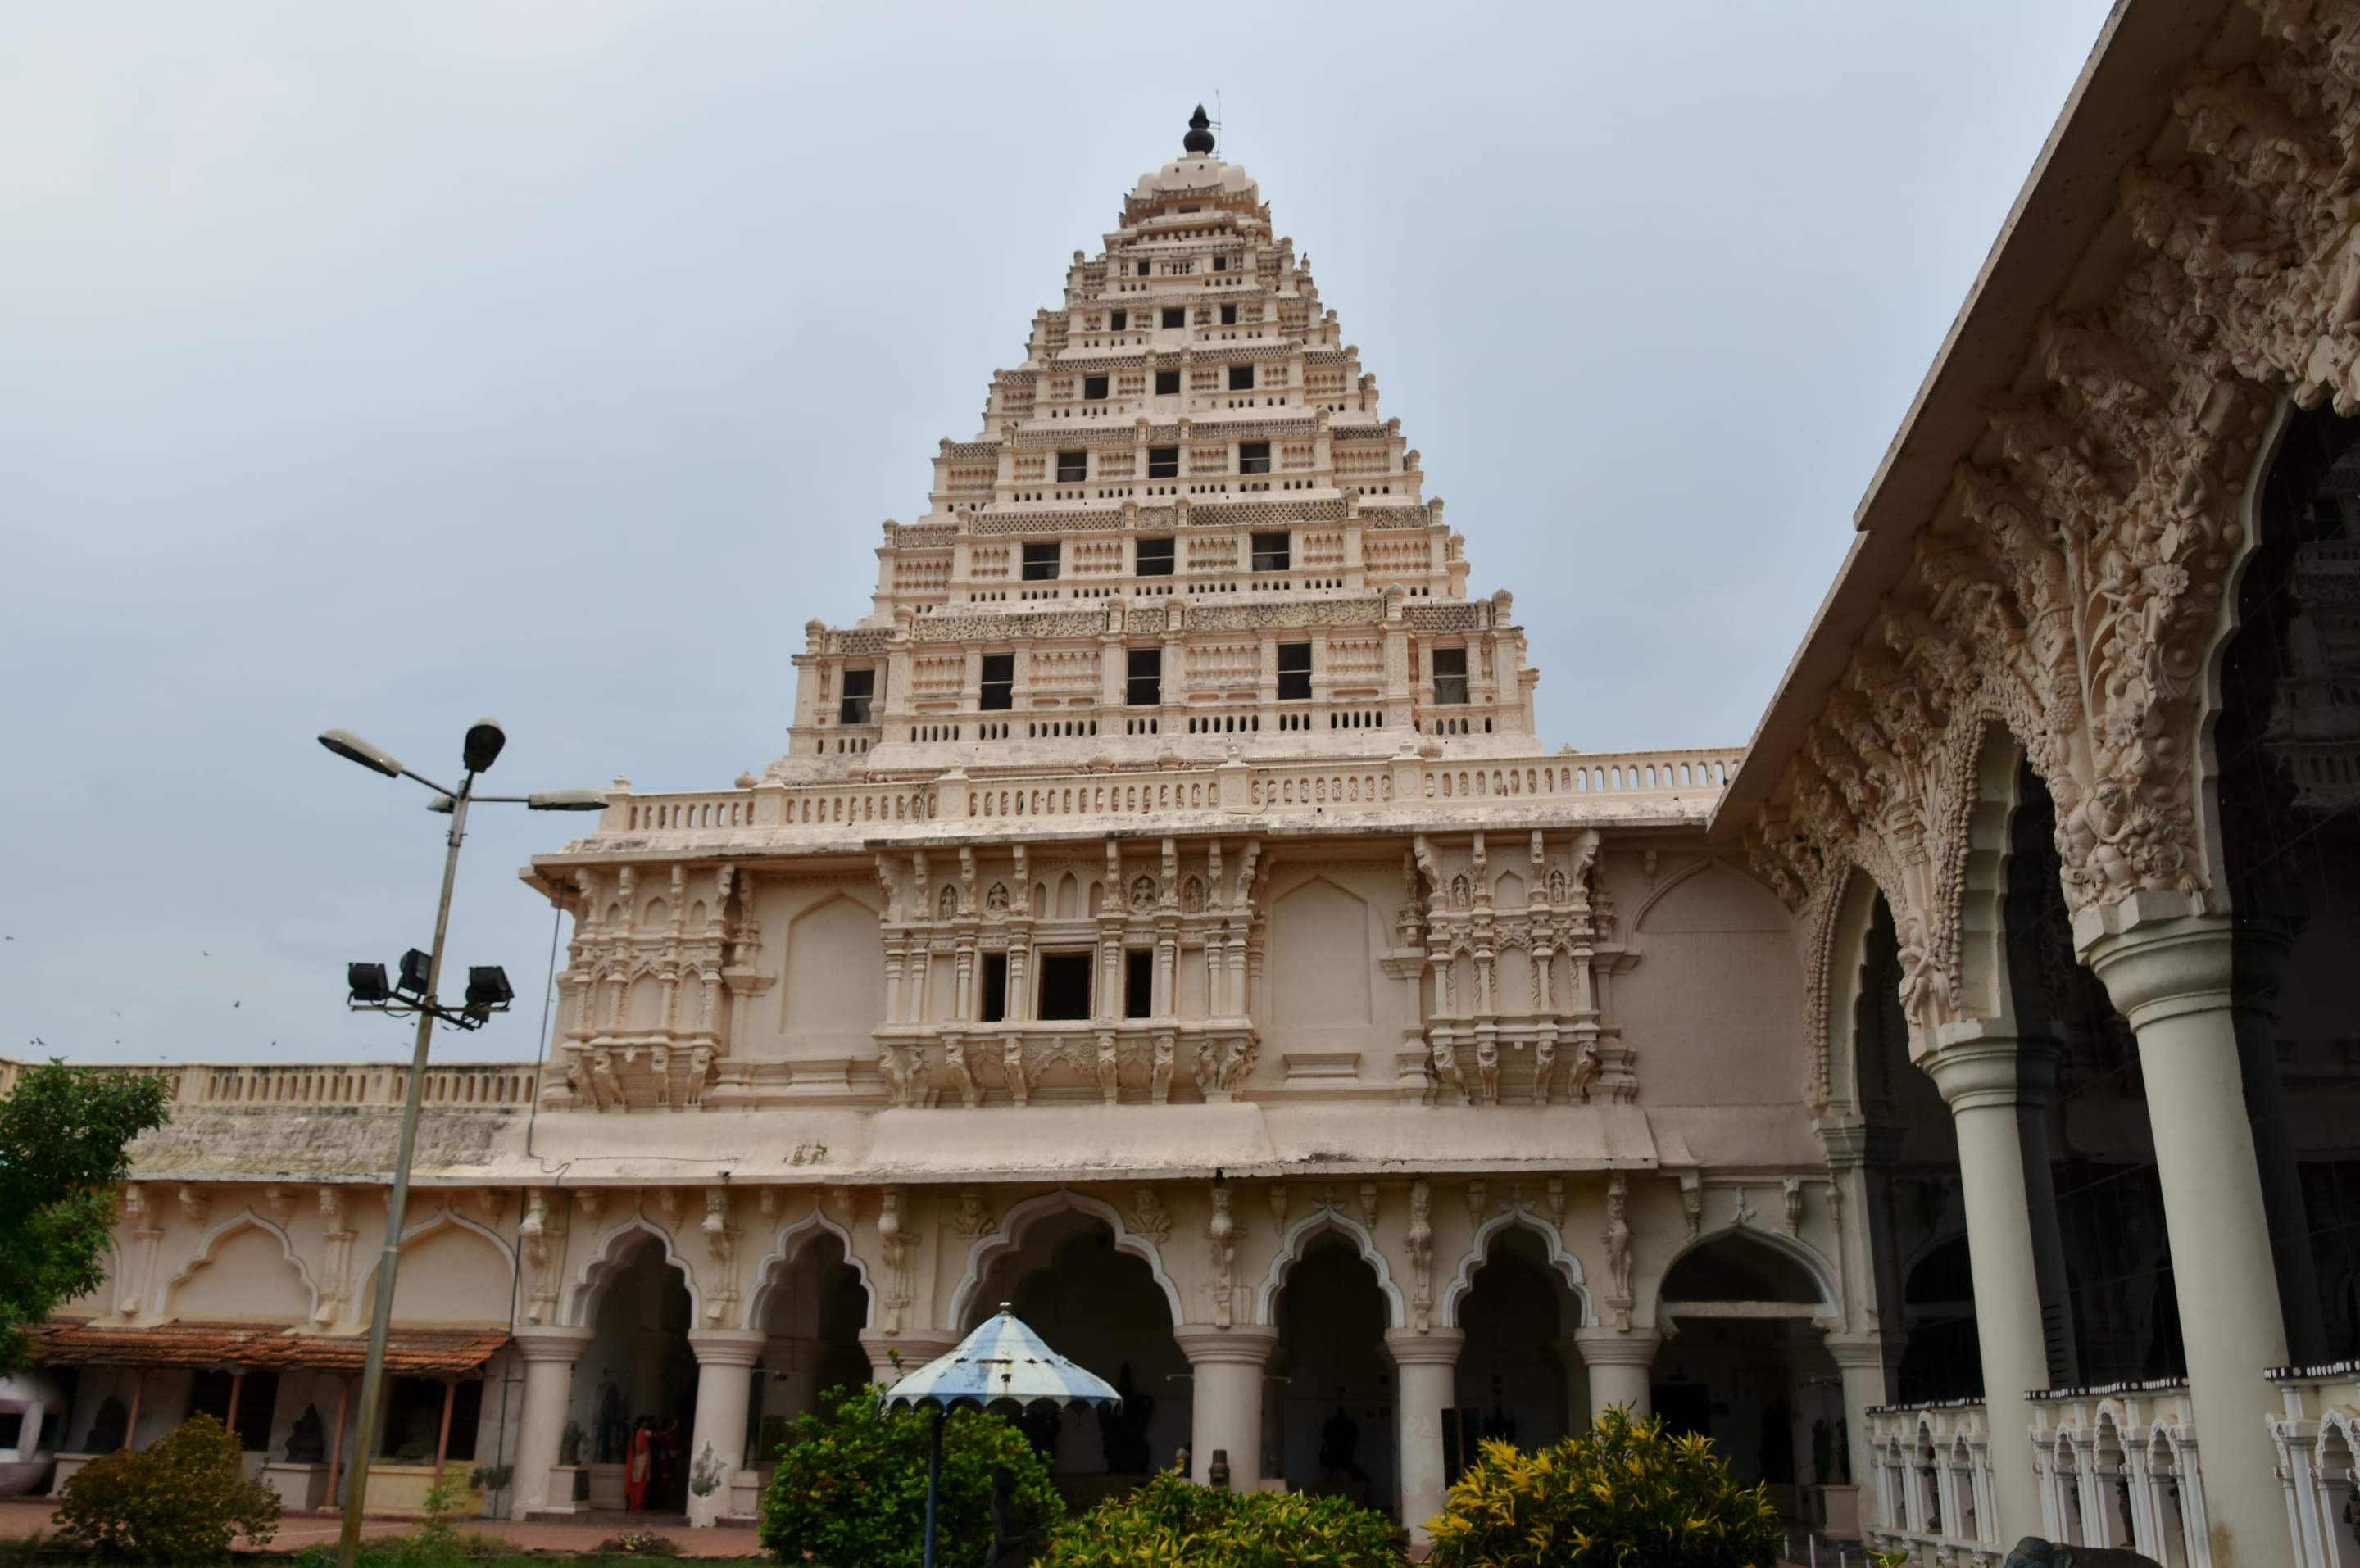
389,1259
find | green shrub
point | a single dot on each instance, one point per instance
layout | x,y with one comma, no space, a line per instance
183,1500
850,1490
1170,1523
1626,1494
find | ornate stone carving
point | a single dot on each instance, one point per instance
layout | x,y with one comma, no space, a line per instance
1149,1218
1221,1244
1617,1237
1421,1254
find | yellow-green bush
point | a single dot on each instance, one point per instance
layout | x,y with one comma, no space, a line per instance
1168,1523
1625,1493
183,1500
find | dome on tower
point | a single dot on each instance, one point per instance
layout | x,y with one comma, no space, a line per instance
1197,174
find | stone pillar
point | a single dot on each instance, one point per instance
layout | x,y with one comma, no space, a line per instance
1620,1364
792,1363
549,1357
1867,1365
1975,1069
2171,980
1225,1404
716,1442
1426,1379
1576,1384
915,1348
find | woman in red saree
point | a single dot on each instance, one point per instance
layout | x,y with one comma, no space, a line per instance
638,1466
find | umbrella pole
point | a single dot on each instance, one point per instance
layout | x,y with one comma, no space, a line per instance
933,1482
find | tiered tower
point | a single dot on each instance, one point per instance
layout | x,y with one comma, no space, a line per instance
1186,530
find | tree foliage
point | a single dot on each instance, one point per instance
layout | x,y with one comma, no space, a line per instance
1170,1523
850,1490
1626,1493
62,1136
183,1499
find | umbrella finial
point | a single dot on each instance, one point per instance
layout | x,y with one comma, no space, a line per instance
1007,1309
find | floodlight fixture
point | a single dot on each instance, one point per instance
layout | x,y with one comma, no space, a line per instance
416,969
367,982
353,748
485,739
487,988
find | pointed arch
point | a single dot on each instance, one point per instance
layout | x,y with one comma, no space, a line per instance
443,1219
1796,1250
1300,1235
244,1220
1701,864
1023,1215
793,1241
1479,1252
590,1282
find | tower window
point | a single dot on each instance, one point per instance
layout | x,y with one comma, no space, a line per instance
1295,672
1094,388
1241,380
1253,457
994,999
1167,382
1072,467
1271,552
1144,268
1143,687
1118,321
1220,264
1137,981
860,686
1155,557
1228,315
999,683
1040,561
1164,461
1450,676
1175,316
1065,985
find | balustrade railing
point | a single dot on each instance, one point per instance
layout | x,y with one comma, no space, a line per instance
489,1085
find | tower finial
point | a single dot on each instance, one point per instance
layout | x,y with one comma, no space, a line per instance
1199,139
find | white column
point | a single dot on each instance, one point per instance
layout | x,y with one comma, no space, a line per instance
716,1442
1867,1364
1226,1401
2171,980
1975,1069
914,1347
549,1357
1426,1367
1620,1365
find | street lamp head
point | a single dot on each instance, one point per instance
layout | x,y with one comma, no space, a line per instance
484,738
351,747
442,803
567,800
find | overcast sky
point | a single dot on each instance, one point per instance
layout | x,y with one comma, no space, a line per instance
382,367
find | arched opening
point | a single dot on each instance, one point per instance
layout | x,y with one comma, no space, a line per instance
1944,1357
1748,1368
1514,1382
2285,747
638,1372
1334,1383
812,1305
1102,1309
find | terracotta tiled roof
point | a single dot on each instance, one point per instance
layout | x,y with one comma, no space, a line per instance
411,1353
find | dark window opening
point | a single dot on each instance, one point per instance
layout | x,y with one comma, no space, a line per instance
1139,982
1167,383
1118,321
1271,552
1072,467
1253,457
1065,985
859,688
1222,264
1143,268
12,1429
1228,315
995,988
1155,557
1040,561
1295,672
1164,461
999,683
413,1419
1143,687
1094,388
1241,380
1450,675
1175,316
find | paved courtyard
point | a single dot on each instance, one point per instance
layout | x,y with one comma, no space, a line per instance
25,1516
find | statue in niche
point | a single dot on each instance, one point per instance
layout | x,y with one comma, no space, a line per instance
1192,896
614,1425
108,1427
1142,895
1461,893
307,1440
420,1440
1556,885
947,905
1123,1433
995,899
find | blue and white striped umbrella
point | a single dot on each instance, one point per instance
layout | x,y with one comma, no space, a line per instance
1002,1360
